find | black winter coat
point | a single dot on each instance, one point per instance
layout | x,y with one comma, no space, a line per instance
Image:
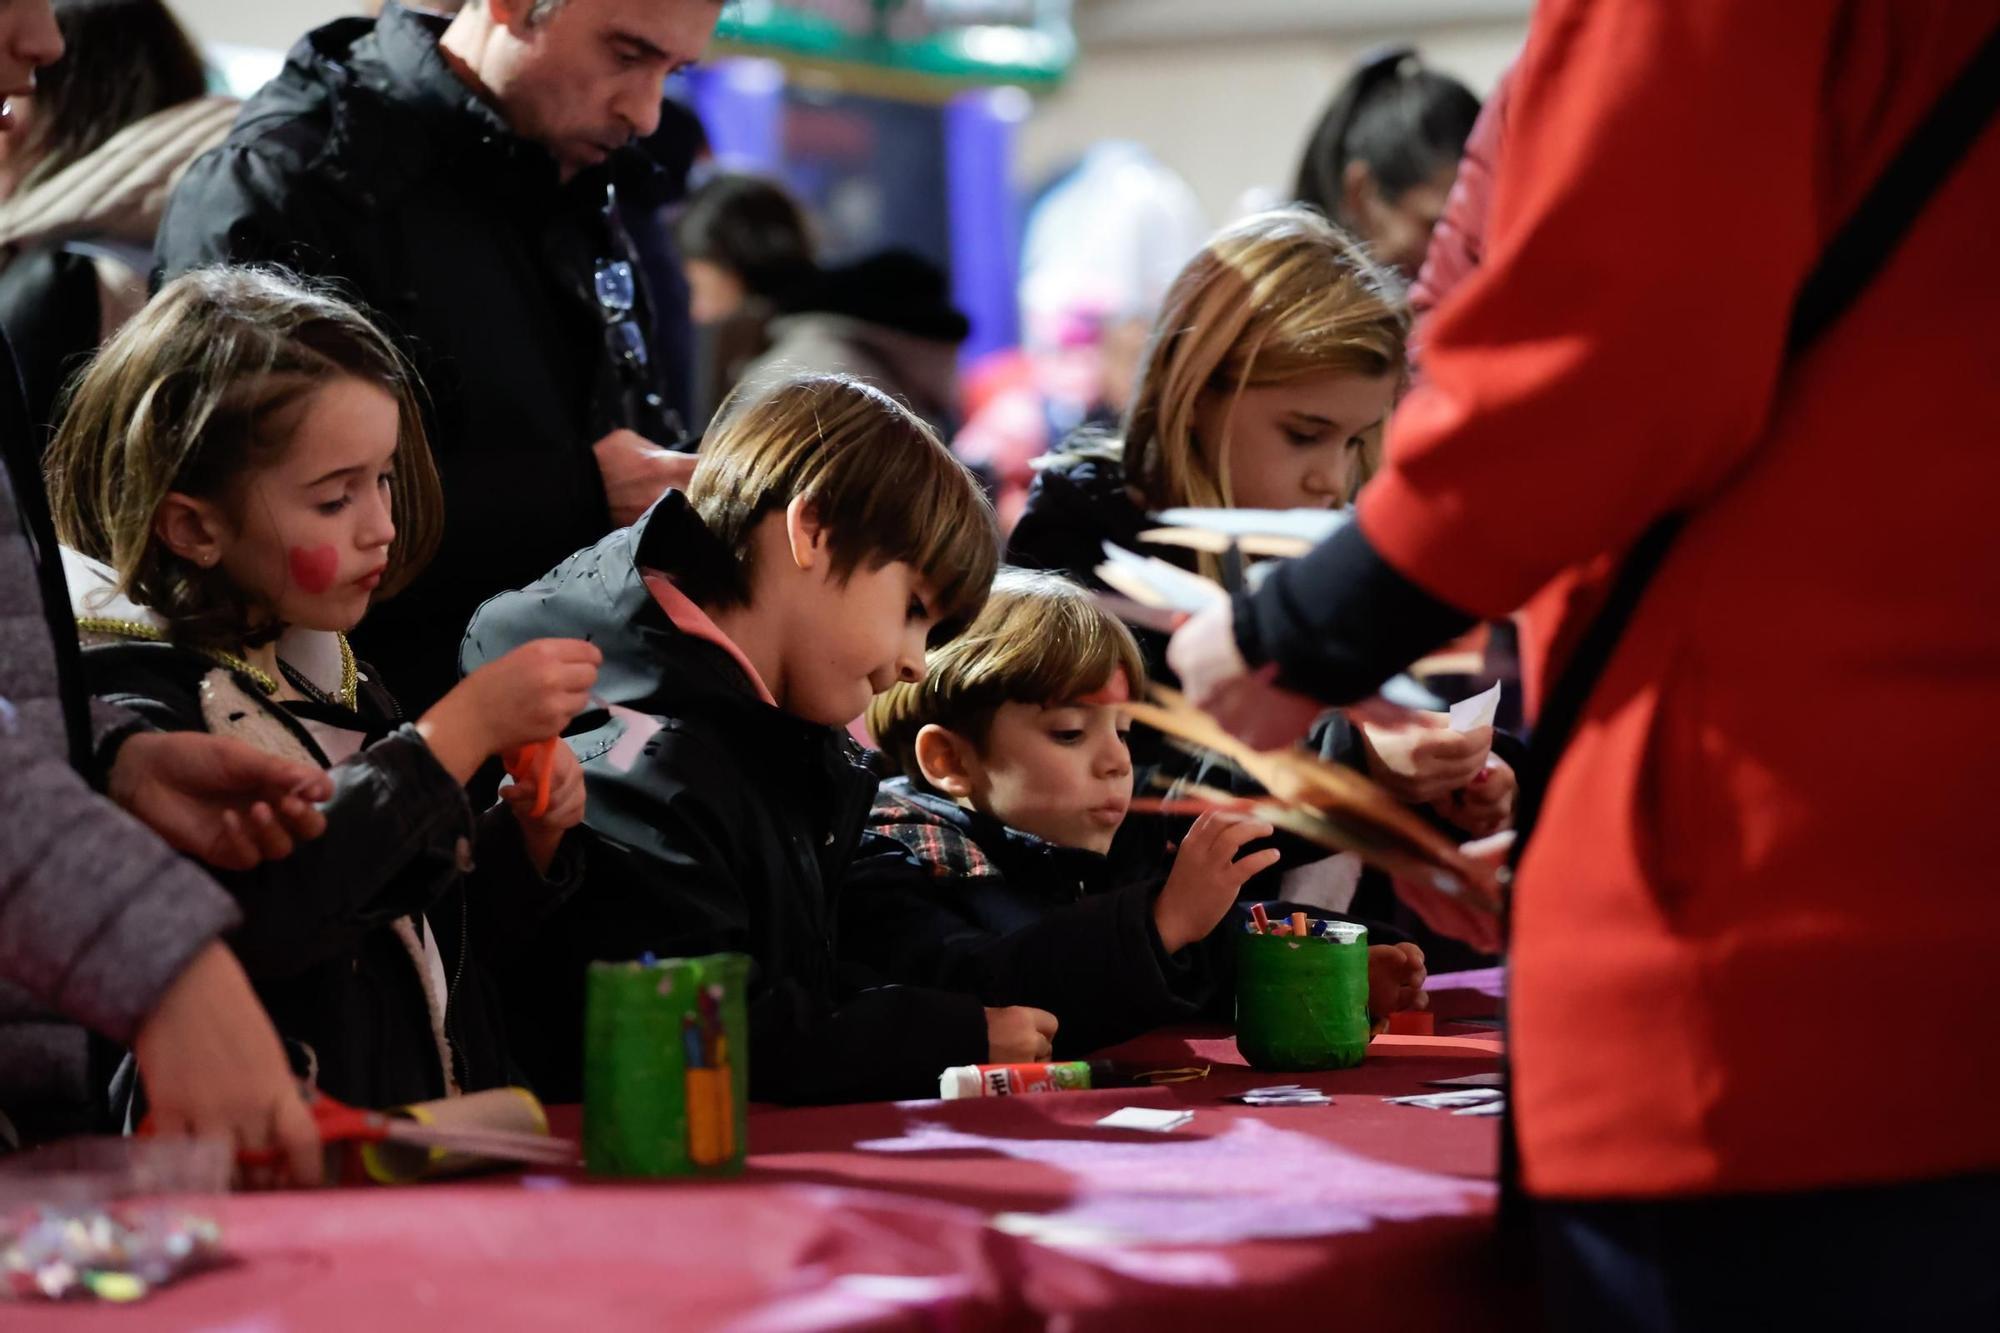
1077,503
734,830
953,898
320,936
368,162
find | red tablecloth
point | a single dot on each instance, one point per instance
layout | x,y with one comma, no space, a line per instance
1003,1213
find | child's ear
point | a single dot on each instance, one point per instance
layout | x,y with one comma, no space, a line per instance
946,760
192,528
804,534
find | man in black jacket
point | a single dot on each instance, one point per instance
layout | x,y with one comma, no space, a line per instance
460,180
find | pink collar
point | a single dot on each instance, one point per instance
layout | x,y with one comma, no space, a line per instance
691,619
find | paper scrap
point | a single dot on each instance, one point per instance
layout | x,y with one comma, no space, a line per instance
1139,615
1307,525
1152,1119
1285,1094
1476,712
639,728
1405,691
1153,582
1449,1101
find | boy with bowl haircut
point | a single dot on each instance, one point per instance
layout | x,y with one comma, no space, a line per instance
995,871
825,540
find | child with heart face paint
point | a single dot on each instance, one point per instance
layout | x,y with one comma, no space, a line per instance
240,474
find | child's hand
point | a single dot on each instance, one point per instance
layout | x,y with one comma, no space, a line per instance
1486,804
528,695
1396,979
1207,876
532,693
543,833
1421,759
1019,1035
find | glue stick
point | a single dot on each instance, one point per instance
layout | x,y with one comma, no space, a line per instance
1012,1080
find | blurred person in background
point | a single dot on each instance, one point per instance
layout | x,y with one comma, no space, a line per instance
1382,158
886,318
1104,240
460,179
745,246
87,161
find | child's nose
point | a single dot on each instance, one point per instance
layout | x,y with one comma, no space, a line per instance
378,528
910,659
1324,482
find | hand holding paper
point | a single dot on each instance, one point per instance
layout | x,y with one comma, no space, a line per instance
1424,758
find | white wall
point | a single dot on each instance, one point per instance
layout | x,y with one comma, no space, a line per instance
275,24
1231,113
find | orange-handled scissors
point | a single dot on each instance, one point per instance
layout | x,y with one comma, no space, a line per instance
338,1122
530,765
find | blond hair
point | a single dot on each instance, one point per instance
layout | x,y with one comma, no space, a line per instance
1278,297
200,388
879,480
1041,639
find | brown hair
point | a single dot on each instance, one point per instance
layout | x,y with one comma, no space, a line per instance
1277,297
882,484
123,61
1040,640
202,386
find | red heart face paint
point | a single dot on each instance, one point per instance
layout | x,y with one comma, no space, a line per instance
313,567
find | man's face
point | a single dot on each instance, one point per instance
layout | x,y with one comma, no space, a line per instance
587,79
29,39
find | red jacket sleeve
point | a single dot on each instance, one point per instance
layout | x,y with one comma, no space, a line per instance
1619,351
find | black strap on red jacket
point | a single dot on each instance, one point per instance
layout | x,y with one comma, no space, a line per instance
1849,263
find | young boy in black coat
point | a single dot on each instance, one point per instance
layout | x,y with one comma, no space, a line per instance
826,538
996,872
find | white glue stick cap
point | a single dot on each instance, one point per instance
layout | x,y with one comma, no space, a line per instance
960,1081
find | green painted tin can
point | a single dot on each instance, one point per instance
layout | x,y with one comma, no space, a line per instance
666,1067
1303,1003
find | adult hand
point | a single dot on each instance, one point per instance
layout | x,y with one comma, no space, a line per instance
1421,759
228,803
1476,919
1216,679
214,1068
637,472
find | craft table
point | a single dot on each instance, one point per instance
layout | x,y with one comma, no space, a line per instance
991,1214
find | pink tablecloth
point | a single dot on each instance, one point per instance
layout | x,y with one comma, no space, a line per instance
1006,1213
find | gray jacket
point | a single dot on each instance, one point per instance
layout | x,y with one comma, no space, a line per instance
97,915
